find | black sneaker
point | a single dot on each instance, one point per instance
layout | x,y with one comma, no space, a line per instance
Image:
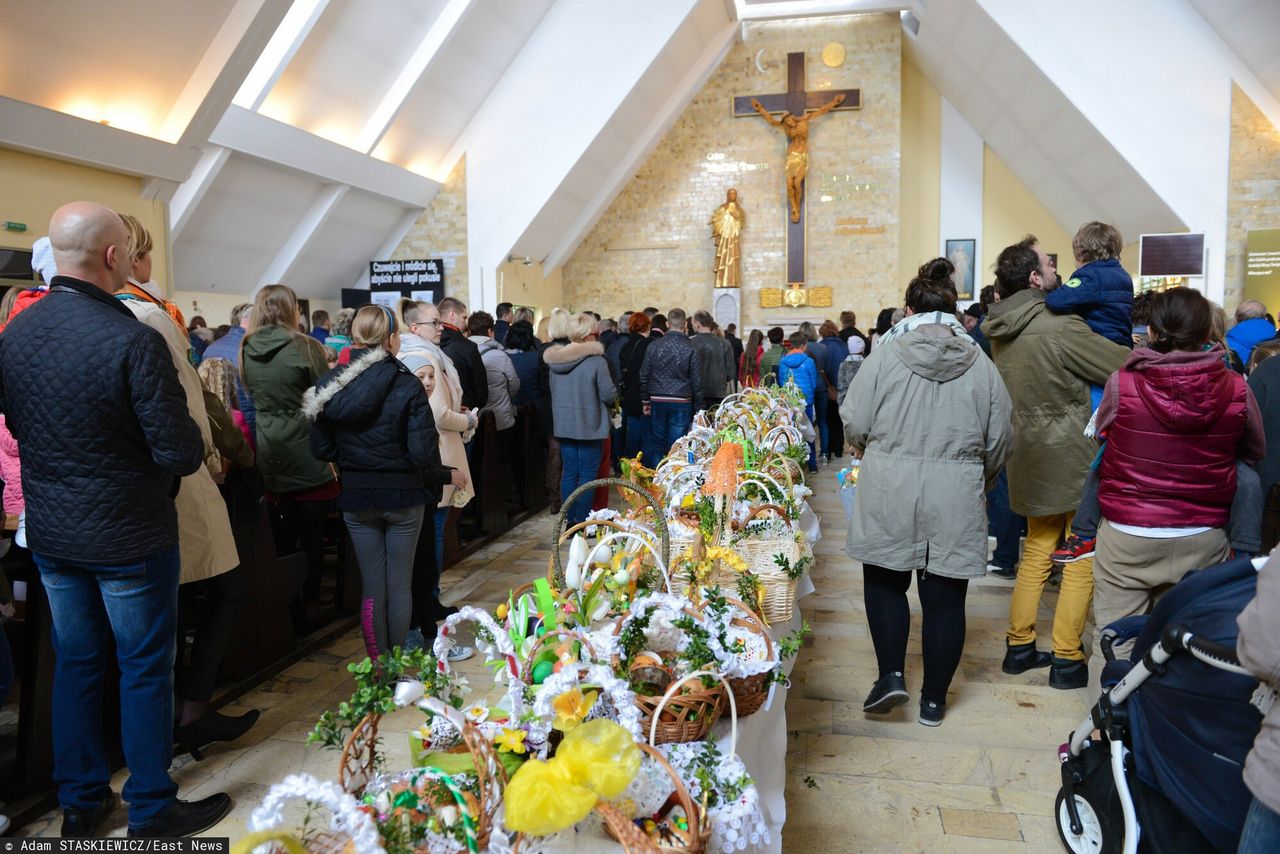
1067,674
889,692
1024,657
84,823
185,818
1000,572
931,712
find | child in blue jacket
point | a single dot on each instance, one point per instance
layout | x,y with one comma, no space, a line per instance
1100,290
801,368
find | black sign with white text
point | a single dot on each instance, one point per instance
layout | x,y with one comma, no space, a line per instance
407,274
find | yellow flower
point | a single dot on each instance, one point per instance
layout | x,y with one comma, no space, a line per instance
510,740
572,708
727,556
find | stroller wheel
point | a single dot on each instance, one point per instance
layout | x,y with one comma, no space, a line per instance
1094,839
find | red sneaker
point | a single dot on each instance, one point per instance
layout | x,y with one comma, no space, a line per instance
1074,549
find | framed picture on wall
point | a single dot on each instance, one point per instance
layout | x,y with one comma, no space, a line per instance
960,253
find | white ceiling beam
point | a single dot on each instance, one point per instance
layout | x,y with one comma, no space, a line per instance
279,52
392,243
444,26
283,145
699,72
50,133
222,70
787,9
190,194
304,234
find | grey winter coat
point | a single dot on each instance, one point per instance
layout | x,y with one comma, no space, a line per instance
504,384
581,389
1259,650
932,417
715,356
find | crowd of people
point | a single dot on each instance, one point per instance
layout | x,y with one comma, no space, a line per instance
1119,435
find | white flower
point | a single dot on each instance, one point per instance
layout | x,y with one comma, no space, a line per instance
601,609
408,692
577,557
448,815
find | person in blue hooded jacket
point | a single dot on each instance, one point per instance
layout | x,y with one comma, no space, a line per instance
799,366
1100,290
1251,329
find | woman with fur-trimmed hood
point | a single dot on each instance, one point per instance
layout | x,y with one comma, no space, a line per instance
372,418
581,390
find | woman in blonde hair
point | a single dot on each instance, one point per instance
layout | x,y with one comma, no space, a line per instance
140,284
278,365
373,420
581,391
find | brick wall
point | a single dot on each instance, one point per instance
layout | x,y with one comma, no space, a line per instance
1253,195
441,232
653,245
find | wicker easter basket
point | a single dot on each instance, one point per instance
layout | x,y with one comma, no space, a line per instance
778,602
750,692
359,764
687,717
556,573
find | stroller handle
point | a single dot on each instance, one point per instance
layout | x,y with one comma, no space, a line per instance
1178,637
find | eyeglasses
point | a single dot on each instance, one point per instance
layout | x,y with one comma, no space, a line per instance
427,323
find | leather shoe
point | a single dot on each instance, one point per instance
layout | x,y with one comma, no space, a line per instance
1023,657
1067,674
84,823
185,818
213,727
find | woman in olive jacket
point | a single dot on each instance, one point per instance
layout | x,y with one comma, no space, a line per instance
279,364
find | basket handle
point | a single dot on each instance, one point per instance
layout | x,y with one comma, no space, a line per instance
659,517
770,478
671,692
526,672
757,510
752,618
629,535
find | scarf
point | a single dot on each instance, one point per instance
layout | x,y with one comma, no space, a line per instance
909,324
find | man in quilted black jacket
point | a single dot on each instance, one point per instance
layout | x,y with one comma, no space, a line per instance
102,426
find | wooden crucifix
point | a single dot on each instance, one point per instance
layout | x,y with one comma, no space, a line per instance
798,107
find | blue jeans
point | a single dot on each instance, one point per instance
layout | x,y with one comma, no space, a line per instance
1003,524
136,603
637,435
668,422
820,420
442,516
580,460
1261,834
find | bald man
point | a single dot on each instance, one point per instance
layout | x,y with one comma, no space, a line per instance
94,401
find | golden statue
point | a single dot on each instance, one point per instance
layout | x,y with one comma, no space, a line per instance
726,231
797,131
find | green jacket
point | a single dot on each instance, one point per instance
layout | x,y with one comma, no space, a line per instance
769,362
278,367
1047,361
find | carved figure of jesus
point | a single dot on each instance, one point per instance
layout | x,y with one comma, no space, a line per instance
797,131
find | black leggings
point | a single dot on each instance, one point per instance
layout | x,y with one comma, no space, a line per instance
302,529
885,596
224,597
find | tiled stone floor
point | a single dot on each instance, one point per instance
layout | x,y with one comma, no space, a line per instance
982,782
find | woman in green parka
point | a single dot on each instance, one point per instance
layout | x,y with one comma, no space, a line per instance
279,364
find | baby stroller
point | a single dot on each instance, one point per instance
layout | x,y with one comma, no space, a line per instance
1176,723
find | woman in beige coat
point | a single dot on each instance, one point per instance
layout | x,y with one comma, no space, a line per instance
455,424
207,550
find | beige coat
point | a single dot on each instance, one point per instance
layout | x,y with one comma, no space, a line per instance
451,424
1258,648
205,542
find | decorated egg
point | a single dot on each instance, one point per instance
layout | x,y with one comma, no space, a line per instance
541,671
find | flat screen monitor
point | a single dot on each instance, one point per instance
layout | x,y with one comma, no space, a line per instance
1171,255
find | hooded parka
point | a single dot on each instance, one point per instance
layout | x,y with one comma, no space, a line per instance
278,367
932,417
1047,361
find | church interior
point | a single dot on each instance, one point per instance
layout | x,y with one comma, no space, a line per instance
754,165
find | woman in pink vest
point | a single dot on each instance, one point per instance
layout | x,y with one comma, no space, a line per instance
1175,421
